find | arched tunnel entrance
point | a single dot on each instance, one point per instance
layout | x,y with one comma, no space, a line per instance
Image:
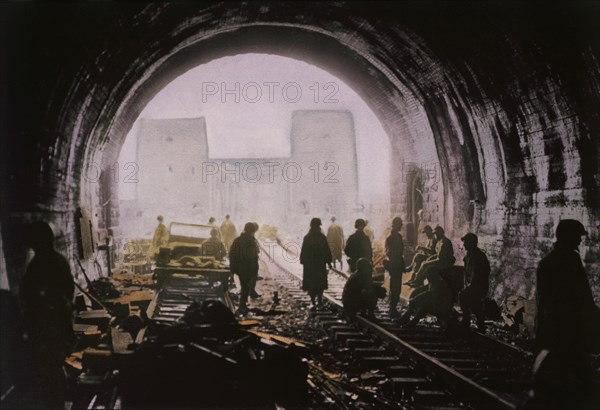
412,148
491,119
404,119
492,157
259,137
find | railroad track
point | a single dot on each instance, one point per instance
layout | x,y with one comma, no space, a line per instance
172,300
428,367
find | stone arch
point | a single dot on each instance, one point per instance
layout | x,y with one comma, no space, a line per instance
371,80
484,98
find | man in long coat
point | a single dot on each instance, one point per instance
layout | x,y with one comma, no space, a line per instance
315,256
47,295
394,263
228,232
335,238
243,261
160,237
567,324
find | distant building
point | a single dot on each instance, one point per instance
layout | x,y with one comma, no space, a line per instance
177,174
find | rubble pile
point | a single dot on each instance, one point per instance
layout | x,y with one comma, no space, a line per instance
280,355
206,359
335,378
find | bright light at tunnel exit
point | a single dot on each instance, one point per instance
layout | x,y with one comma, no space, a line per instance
253,106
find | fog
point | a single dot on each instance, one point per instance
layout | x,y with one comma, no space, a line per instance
251,104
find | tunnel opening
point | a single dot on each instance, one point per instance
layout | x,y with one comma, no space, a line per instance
409,140
467,116
489,115
258,137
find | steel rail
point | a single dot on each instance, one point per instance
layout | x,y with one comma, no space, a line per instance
477,394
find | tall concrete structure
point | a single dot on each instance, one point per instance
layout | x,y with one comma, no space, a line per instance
324,147
179,178
170,153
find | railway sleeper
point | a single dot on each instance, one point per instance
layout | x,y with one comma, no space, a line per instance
431,397
405,388
378,362
361,352
453,353
361,343
341,328
327,324
343,337
400,370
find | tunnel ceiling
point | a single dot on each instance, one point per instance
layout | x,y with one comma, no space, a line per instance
502,99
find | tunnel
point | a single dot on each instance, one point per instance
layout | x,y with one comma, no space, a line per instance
492,110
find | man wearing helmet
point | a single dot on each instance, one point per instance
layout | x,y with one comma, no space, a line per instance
315,256
243,260
567,324
213,246
477,272
47,296
358,245
160,237
442,260
566,310
423,252
394,263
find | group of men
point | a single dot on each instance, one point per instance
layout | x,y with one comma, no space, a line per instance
221,238
243,252
430,262
567,321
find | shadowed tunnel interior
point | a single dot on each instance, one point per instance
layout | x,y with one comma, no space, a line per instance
495,109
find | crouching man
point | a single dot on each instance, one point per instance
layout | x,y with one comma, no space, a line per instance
360,294
435,299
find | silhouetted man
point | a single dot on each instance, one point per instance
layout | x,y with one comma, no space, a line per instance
160,237
243,258
253,293
423,252
47,296
213,246
212,222
358,245
368,231
394,263
567,321
359,292
477,273
438,263
335,238
228,232
436,299
315,256
566,307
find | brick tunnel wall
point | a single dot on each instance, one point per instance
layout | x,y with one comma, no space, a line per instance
502,102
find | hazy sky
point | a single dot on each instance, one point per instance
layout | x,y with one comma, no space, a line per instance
268,89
